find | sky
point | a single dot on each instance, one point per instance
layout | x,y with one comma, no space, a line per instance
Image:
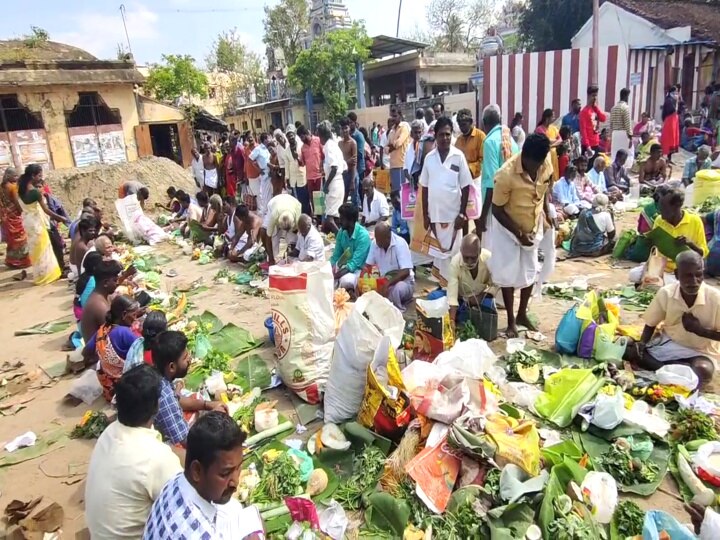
158,27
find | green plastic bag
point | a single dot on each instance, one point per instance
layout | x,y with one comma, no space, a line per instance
565,392
625,240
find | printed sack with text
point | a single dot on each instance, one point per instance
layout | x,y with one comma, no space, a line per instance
433,331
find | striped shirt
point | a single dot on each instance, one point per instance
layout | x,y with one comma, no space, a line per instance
620,118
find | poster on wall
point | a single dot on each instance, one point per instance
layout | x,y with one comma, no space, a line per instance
30,146
85,149
97,144
6,159
112,146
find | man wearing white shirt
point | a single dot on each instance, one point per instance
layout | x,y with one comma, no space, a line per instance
130,464
260,156
375,207
334,187
295,172
309,244
411,168
391,254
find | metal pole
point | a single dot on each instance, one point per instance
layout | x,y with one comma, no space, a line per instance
127,36
596,43
397,30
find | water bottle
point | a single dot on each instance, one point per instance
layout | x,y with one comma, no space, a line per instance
634,189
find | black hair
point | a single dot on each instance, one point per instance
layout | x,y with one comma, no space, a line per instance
145,192
153,325
570,169
579,159
621,152
86,222
365,134
344,122
302,131
171,191
202,197
624,94
442,106
25,178
90,262
442,122
242,211
517,119
546,114
464,114
106,270
349,211
660,192
264,138
536,147
137,394
577,100
565,132
561,150
592,89
213,432
119,306
324,131
230,200
89,203
352,116
420,114
675,196
182,197
167,348
655,148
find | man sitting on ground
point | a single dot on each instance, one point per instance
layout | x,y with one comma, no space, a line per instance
280,221
470,279
352,245
565,194
309,246
98,304
172,360
247,235
129,465
391,254
700,162
690,311
133,187
616,175
375,207
82,242
654,171
199,503
594,234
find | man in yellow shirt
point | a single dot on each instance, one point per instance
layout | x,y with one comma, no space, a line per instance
469,280
398,141
470,142
685,227
690,312
520,201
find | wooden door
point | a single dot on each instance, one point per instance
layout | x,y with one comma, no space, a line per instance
186,142
142,138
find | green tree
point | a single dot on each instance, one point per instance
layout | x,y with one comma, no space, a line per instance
177,76
458,25
36,36
286,24
327,68
548,25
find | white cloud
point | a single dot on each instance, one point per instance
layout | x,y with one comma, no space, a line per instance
99,33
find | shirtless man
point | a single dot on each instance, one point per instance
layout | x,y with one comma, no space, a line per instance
655,170
107,276
83,240
250,223
210,166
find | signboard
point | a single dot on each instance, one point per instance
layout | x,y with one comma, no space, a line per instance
30,146
97,144
635,79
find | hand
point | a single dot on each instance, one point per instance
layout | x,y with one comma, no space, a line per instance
218,406
130,271
554,223
527,239
340,272
691,324
460,221
681,241
426,222
67,221
697,515
383,290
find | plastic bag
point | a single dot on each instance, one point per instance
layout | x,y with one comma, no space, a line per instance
514,483
440,400
516,441
597,317
408,200
342,306
301,296
679,375
435,470
370,280
87,387
333,521
653,276
568,331
609,410
707,462
600,490
710,528
433,331
472,358
657,522
129,210
565,392
607,350
385,407
360,338
202,347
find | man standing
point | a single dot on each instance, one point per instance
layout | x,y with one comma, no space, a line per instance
354,239
398,141
572,119
590,118
260,156
333,166
391,255
295,169
420,117
413,154
444,186
210,170
350,155
520,196
197,168
199,503
470,142
360,142
438,110
252,172
621,127
498,147
311,154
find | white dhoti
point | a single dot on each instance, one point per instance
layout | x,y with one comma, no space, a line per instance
547,245
289,237
348,281
512,264
265,195
211,178
442,247
334,197
254,186
620,141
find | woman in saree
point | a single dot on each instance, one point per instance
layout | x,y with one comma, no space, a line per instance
546,127
201,231
112,342
36,219
670,134
11,222
141,351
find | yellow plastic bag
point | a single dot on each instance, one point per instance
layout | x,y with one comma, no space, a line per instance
382,180
598,318
517,442
384,411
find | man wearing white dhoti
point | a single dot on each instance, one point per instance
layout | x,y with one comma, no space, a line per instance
521,200
621,128
445,184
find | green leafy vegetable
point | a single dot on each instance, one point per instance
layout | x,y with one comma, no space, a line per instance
628,519
689,425
620,464
710,204
279,479
519,360
466,331
245,416
91,426
367,469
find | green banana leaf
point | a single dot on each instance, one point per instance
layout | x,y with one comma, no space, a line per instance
512,523
560,476
208,318
252,371
387,513
556,453
360,436
596,447
52,327
45,444
565,392
234,341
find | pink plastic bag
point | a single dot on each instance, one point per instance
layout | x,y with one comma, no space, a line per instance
408,197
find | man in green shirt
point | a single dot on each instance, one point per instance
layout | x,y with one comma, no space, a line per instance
351,249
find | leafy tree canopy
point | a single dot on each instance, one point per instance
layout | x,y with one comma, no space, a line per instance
548,25
286,24
177,76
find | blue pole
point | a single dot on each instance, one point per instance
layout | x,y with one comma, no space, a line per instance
309,107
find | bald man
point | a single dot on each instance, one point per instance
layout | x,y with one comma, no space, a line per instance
391,254
690,311
470,280
280,220
309,246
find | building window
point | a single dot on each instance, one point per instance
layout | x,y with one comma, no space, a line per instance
16,117
463,88
258,123
91,110
245,125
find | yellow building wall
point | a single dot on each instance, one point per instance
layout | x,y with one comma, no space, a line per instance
53,101
152,112
299,112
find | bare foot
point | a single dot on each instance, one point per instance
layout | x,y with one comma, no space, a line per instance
21,276
523,320
511,331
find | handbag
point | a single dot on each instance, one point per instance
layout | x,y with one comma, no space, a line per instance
485,319
408,199
567,335
654,271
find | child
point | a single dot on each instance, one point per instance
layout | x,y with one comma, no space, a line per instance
173,204
563,159
585,187
399,225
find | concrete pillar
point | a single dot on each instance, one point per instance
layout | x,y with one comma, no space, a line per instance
360,82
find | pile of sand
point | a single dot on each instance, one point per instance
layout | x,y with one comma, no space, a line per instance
101,182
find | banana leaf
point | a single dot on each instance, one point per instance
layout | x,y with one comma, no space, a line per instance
387,513
556,453
45,444
251,372
560,476
596,447
208,318
234,341
565,392
685,492
360,436
52,327
512,522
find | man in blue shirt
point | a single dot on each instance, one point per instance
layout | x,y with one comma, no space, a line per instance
352,245
572,119
565,194
360,141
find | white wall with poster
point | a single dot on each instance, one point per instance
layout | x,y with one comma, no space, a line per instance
97,144
21,148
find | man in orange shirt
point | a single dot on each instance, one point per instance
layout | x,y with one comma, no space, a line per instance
470,142
398,141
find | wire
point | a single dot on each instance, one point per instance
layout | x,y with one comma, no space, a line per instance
200,10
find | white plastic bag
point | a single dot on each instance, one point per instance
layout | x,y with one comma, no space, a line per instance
678,374
146,229
371,318
707,458
601,490
471,358
608,413
87,387
129,210
301,297
333,520
710,528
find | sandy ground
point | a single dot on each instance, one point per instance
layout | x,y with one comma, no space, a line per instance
59,474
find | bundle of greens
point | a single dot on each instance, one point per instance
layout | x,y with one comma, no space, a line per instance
223,274
91,426
524,366
631,298
568,524
367,469
492,484
709,205
628,519
619,463
689,425
279,479
245,416
466,331
216,361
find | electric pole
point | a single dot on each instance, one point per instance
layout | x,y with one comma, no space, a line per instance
596,43
397,30
127,36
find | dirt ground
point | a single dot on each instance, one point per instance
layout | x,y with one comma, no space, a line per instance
59,474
